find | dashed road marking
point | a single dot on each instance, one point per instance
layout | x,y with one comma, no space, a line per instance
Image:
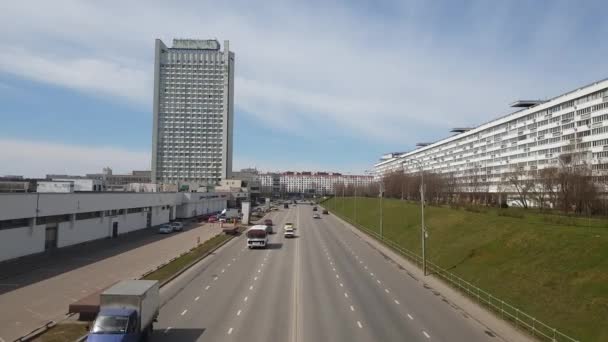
207,287
245,299
396,302
341,285
334,269
410,316
184,312
352,308
386,290
255,278
359,324
166,330
345,294
365,267
259,271
229,265
215,278
425,334
251,287
371,274
337,276
238,313
223,270
229,331
378,281
196,299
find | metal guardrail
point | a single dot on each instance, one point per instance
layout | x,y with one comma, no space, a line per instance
507,311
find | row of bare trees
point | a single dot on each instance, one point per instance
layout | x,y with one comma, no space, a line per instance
566,187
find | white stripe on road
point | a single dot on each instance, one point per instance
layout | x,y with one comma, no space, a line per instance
396,302
255,278
196,299
410,316
371,274
166,331
386,290
223,270
359,324
245,299
337,276
425,334
251,287
259,271
352,308
207,287
341,285
184,312
345,294
229,331
378,281
238,313
229,265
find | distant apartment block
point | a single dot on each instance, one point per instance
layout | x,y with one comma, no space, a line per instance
193,112
574,124
321,183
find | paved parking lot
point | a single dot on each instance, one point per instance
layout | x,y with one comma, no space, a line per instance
37,289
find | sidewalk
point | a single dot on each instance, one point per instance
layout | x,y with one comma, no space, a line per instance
499,327
37,289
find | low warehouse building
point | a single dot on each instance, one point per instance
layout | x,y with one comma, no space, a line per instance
36,222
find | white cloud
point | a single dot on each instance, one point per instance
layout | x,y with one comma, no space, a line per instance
30,158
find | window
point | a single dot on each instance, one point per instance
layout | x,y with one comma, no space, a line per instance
17,223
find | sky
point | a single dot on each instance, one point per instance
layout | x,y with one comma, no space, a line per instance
319,85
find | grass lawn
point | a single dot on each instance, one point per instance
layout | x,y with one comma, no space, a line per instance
554,268
68,331
178,264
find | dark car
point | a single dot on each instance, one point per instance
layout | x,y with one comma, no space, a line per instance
268,224
325,212
314,208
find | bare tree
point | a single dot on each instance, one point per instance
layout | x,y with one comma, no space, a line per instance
522,184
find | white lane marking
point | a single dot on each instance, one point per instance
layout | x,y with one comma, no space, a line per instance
262,265
352,308
207,287
386,290
196,299
370,273
215,278
251,287
337,276
166,330
229,331
259,271
255,278
334,269
223,270
360,261
341,285
238,313
425,334
378,281
410,316
396,302
359,324
365,267
184,312
245,299
345,294
229,265
233,259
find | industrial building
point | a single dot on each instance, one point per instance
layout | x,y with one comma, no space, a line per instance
533,138
193,113
320,183
37,222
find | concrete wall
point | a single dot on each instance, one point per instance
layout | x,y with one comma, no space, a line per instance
81,231
17,242
159,216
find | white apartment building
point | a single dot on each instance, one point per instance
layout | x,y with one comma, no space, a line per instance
193,112
313,182
533,138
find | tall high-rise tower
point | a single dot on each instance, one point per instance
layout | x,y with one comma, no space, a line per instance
193,112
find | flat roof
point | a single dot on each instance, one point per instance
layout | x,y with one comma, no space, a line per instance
526,103
131,287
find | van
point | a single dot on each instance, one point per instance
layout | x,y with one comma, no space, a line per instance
257,236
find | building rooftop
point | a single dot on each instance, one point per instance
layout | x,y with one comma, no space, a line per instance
526,103
196,44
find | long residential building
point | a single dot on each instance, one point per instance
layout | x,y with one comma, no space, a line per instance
533,138
321,183
193,112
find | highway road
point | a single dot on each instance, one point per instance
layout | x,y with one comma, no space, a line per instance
325,285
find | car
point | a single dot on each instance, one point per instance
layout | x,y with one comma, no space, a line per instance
325,212
165,229
268,222
290,230
177,226
212,219
314,208
315,215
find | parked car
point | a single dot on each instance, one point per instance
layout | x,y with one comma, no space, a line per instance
325,212
315,215
212,219
165,229
177,226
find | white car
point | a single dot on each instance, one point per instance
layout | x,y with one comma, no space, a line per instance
289,231
177,226
315,215
165,229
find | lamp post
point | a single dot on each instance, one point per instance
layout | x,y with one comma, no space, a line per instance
381,209
423,231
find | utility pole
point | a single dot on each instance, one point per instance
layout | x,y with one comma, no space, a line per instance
423,228
381,210
355,204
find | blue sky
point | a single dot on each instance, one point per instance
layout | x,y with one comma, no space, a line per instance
319,85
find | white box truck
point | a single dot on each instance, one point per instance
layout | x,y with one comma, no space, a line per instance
127,311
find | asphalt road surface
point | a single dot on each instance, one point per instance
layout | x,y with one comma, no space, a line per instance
324,285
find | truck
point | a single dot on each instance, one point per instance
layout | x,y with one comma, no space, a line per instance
127,312
257,236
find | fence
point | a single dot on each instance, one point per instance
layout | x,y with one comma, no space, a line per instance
507,311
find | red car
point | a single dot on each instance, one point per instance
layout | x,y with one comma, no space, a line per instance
268,222
212,219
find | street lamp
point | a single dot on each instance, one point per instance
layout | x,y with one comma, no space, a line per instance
423,231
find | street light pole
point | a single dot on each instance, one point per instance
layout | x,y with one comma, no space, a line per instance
381,210
423,232
355,204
